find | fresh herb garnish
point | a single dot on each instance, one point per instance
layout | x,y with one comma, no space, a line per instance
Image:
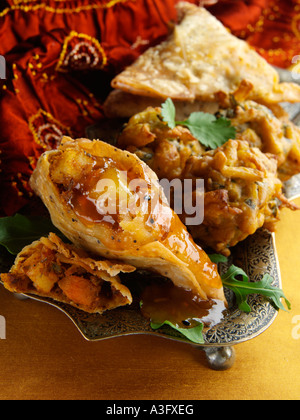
18,231
216,258
194,334
244,287
211,131
168,113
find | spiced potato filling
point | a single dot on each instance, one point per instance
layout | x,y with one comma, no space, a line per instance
50,268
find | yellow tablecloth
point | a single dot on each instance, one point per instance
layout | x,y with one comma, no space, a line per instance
44,356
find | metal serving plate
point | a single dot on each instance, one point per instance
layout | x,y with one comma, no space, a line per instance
256,255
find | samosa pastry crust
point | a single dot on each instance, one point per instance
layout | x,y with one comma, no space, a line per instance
50,268
121,104
200,60
144,232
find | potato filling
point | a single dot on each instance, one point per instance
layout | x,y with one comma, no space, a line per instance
48,273
51,268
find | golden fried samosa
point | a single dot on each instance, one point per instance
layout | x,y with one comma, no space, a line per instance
121,104
110,202
200,60
50,268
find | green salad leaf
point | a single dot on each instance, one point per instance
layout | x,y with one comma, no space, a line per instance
168,112
211,131
244,287
18,231
194,334
238,281
216,258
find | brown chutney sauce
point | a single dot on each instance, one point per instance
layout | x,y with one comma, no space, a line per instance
163,301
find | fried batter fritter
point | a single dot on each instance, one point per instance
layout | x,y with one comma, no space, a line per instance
242,178
242,194
164,149
258,125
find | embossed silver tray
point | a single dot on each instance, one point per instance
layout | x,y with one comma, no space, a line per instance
256,255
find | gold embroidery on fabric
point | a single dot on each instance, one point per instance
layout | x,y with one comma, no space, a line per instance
296,25
35,1
81,52
47,131
32,7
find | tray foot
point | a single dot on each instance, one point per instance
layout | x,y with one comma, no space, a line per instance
220,358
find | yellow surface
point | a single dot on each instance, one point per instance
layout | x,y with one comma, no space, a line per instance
45,357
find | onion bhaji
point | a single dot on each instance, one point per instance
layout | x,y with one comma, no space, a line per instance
242,179
242,194
258,125
165,150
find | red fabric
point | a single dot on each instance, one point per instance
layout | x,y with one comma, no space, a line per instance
272,27
61,56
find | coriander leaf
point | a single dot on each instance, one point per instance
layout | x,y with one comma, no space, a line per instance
244,287
194,334
18,231
216,258
212,132
168,113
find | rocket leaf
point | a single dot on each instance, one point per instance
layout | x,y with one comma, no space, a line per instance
194,334
18,231
244,287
